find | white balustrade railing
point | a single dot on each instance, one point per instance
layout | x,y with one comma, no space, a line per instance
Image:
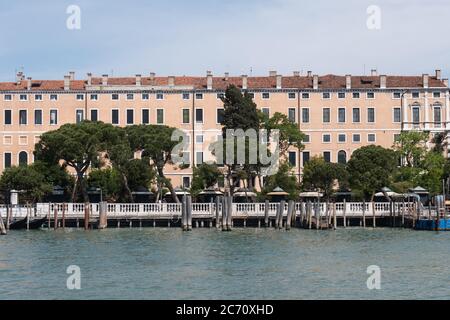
142,210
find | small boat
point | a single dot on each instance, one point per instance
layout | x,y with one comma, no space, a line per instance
35,223
433,225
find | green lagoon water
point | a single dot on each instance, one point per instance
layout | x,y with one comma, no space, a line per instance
210,264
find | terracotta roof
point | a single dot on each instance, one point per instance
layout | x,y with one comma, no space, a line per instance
295,82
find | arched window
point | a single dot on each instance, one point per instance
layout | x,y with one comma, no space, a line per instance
342,157
23,158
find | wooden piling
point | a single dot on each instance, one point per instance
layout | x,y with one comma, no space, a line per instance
230,214
217,212
189,212
374,223
8,216
334,216
64,216
184,214
309,215
364,214
266,213
49,216
344,212
86,216
317,213
103,219
291,207
224,212
2,226
28,215
55,217
403,213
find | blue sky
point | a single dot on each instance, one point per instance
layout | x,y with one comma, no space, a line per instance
242,37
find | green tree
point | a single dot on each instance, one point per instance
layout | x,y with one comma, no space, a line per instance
73,145
432,173
371,168
27,180
155,142
109,181
411,146
283,179
324,176
204,176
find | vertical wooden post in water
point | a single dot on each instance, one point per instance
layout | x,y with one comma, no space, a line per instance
334,216
374,223
266,213
364,213
403,213
291,207
217,212
189,212
86,216
55,217
103,219
344,212
64,216
8,216
224,212
282,205
2,226
318,217
49,215
28,215
183,214
309,214
230,213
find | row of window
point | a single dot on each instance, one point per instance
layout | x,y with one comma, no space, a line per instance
342,138
306,156
199,96
8,159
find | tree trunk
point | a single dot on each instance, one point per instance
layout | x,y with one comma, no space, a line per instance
168,185
127,187
74,191
82,184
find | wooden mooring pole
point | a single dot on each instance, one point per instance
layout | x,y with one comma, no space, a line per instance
224,212
291,208
55,217
309,214
2,226
184,214
86,216
189,212
217,212
334,216
230,214
64,216
266,213
103,219
374,222
344,212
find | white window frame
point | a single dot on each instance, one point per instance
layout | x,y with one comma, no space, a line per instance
374,115
182,115
345,137
375,136
393,115
42,117
118,116
90,114
323,138
353,137
50,117
345,115
163,116
159,96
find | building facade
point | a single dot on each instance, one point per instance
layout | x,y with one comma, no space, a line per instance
338,114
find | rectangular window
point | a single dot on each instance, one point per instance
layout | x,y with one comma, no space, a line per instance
371,137
355,95
370,95
94,115
341,115
23,117
8,159
199,138
293,159
186,96
291,95
7,97
397,115
159,96
371,115
198,115
266,111
305,95
326,115
291,115
199,96
186,182
416,115
53,97
38,97
54,117
415,95
80,97
8,116
94,97
115,96
437,115
199,157
186,116
341,95
145,116
79,116
115,116
38,117
326,138
305,115
265,95
396,95
306,157
356,138
220,115
327,156
23,97
130,96
159,116
326,95
436,94
130,116
342,138
145,96
307,138
356,115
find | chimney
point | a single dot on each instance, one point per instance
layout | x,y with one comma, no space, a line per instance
279,79
152,76
104,80
438,74
67,82
425,78
383,80
29,83
244,82
89,79
19,77
171,81
272,73
374,72
348,81
209,80
138,80
315,82
309,73
445,82
296,73
227,75
72,75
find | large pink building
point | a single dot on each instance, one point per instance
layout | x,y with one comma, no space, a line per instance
339,114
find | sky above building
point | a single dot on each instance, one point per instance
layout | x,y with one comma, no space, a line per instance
251,37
